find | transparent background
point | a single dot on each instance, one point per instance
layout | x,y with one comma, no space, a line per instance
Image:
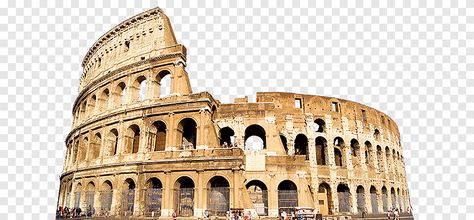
407,58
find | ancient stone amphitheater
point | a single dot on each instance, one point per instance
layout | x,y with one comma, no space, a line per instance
143,144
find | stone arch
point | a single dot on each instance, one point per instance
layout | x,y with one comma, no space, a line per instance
355,152
104,99
255,137
301,145
344,197
387,158
132,139
377,134
187,133
319,125
369,153
384,199
159,134
393,197
380,158
258,193
106,196
90,194
227,137
77,196
360,198
153,197
163,79
218,201
184,196
92,104
325,198
287,196
120,94
321,151
83,149
138,89
83,111
94,146
373,199
112,142
339,152
128,197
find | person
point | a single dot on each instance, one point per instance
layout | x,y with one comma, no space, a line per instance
396,214
283,215
174,215
228,216
78,212
364,212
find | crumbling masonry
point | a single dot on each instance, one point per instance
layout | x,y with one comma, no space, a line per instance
138,147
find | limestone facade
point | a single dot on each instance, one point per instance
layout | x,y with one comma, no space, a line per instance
143,144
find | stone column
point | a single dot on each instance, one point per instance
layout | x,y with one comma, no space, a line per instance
171,134
335,197
368,199
116,201
380,201
167,204
139,201
201,188
236,185
353,194
272,199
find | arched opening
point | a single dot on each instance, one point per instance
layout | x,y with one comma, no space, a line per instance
387,157
184,196
68,194
369,153
227,137
321,151
120,94
360,199
132,139
83,111
400,205
106,196
75,152
77,196
104,99
138,89
83,149
187,130
373,199
128,199
153,197
355,152
218,196
90,193
164,83
319,125
255,138
384,199
344,197
380,158
301,145
284,142
287,196
338,152
324,199
258,194
377,134
95,146
91,107
394,201
160,136
112,140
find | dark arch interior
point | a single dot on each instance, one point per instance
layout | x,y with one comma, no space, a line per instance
188,128
226,133
287,185
185,182
301,145
320,125
160,138
154,183
342,188
218,181
284,142
256,130
258,183
130,183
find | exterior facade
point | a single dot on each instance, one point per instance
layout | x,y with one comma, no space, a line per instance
143,144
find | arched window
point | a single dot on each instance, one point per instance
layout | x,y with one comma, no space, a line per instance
153,197
106,196
112,140
258,194
83,149
133,139
344,196
121,94
373,199
301,145
90,196
255,138
319,125
321,151
394,201
104,99
187,133
287,196
95,146
380,158
369,153
164,83
160,138
355,152
128,198
377,134
384,199
325,199
139,89
91,107
77,196
218,196
184,195
339,152
284,142
387,157
360,199
83,114
227,136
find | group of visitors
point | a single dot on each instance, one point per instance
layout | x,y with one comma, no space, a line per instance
238,215
227,145
393,213
66,212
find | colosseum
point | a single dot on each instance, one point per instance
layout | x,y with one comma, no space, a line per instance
144,145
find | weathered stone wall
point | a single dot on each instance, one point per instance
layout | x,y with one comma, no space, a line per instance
323,152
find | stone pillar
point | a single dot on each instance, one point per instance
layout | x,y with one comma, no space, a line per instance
201,188
335,197
139,200
273,199
167,204
368,199
380,201
291,147
171,134
116,201
236,185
